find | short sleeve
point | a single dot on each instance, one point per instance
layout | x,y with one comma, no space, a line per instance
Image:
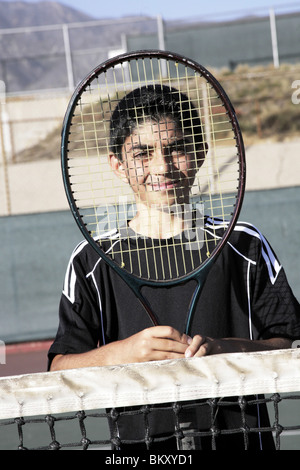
79,323
275,309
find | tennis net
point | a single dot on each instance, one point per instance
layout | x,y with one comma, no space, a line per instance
185,404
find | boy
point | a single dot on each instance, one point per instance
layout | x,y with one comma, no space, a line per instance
246,303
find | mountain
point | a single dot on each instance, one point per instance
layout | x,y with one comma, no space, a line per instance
36,60
20,14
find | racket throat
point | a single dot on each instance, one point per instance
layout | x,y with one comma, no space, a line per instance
145,304
149,311
201,278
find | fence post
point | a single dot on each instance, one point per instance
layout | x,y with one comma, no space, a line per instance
68,56
6,147
274,38
161,43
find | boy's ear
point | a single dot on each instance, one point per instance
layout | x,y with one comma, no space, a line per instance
117,167
201,155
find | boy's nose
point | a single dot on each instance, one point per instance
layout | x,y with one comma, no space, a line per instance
159,163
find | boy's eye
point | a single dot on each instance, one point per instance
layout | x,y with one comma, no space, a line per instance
178,150
140,155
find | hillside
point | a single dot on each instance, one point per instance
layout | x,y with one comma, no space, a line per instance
20,14
262,99
35,60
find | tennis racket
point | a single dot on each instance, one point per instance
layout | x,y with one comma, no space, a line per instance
154,169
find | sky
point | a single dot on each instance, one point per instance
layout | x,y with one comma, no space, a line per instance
177,9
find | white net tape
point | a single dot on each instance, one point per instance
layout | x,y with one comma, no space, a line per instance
150,383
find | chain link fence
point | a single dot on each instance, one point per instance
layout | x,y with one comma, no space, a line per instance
256,59
58,56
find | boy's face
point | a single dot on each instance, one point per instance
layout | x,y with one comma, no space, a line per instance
159,163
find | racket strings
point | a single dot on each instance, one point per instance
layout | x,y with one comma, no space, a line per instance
109,199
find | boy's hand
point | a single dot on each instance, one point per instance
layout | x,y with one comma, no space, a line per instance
154,344
204,346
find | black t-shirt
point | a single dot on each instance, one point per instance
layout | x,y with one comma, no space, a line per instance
245,295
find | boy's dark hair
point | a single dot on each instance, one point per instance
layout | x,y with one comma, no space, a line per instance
153,102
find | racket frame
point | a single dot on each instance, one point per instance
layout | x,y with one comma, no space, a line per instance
133,281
